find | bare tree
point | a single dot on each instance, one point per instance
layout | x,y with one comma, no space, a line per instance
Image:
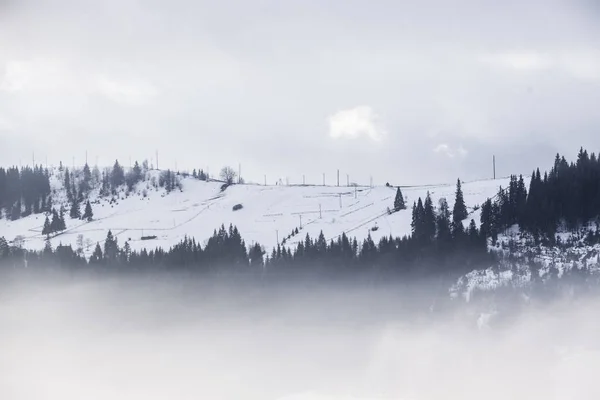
228,175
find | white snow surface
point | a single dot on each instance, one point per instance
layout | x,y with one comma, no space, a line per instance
269,213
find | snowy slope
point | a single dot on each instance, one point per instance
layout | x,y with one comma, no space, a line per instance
269,214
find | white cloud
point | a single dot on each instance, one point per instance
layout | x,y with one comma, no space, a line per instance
450,152
356,122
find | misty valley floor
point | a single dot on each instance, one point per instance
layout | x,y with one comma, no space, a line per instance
172,338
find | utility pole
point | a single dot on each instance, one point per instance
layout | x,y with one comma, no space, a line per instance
494,164
277,234
86,157
340,201
320,213
371,182
265,180
338,177
300,220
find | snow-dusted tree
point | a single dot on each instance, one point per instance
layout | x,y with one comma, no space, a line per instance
88,214
97,257
228,175
75,213
399,201
47,230
117,177
459,213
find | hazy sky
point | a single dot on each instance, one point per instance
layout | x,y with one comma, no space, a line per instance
407,91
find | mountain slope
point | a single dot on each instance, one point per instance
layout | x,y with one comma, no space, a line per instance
269,213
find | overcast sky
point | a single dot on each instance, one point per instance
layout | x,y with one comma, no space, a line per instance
407,91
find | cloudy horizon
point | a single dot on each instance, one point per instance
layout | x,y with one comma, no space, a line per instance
406,92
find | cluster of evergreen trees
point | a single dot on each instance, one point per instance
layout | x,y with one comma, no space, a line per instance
567,197
438,243
113,179
169,181
24,192
200,174
225,250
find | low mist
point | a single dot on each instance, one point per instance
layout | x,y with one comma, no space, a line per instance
175,338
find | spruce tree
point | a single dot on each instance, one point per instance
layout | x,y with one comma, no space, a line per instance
459,212
55,224
111,248
428,219
61,220
399,201
47,247
444,231
75,213
67,184
97,256
117,176
47,230
88,214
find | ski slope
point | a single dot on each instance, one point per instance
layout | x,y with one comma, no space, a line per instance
269,213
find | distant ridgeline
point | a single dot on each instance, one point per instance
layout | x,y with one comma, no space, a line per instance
566,198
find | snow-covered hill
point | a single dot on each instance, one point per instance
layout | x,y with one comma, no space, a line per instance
269,213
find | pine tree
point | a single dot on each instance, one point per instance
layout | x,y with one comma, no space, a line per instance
473,233
47,230
75,213
97,256
87,173
459,213
117,177
67,184
111,248
55,224
399,201
444,232
88,214
429,224
61,220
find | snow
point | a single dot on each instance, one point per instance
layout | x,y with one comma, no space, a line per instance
269,213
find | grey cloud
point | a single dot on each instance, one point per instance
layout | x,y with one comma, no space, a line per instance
255,82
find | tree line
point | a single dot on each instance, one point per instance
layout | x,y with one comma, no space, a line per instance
438,244
24,192
567,198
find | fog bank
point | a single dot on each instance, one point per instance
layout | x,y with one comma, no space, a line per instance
124,339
